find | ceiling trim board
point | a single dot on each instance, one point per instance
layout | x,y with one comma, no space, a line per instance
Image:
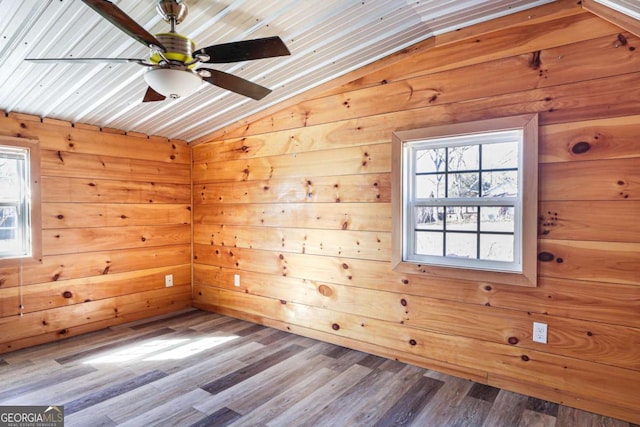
625,22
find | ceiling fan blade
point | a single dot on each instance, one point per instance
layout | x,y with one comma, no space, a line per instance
117,17
268,47
236,84
86,60
151,96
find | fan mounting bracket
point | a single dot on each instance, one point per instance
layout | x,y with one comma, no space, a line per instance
172,11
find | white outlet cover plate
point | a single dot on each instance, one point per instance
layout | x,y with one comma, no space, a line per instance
236,280
168,280
540,332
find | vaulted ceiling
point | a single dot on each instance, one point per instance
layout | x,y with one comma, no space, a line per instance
326,38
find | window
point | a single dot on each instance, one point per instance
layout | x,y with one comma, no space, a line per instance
20,235
465,200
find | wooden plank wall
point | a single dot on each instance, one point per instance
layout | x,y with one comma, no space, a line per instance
298,204
116,218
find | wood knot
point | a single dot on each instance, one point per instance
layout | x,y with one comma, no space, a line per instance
64,331
56,276
589,333
535,60
67,294
488,288
405,281
545,256
281,256
345,266
335,327
622,39
144,239
580,147
560,260
525,358
413,342
325,290
403,302
513,340
123,216
282,301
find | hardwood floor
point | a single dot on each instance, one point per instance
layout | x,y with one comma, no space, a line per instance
203,369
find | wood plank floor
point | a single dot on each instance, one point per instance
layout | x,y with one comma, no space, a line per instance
202,369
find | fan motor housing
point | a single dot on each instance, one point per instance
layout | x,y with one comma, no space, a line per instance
179,48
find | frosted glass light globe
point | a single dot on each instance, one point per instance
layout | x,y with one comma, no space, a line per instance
171,82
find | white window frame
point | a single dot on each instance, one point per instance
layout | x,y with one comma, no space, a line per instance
522,271
28,207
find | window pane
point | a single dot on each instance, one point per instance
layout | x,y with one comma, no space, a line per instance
500,184
497,218
429,218
14,212
462,245
464,158
462,218
499,156
429,243
463,185
429,186
10,239
431,160
496,247
10,182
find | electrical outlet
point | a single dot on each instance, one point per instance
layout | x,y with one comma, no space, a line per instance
540,332
236,280
168,280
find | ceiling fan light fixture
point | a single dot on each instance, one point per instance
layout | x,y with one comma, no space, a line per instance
171,82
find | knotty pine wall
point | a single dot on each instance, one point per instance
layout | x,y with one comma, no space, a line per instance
298,204
116,217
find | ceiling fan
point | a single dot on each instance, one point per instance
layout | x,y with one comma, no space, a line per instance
174,68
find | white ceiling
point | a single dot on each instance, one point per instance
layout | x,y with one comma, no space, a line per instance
327,38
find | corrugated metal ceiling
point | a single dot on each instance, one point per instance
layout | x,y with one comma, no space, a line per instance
326,38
